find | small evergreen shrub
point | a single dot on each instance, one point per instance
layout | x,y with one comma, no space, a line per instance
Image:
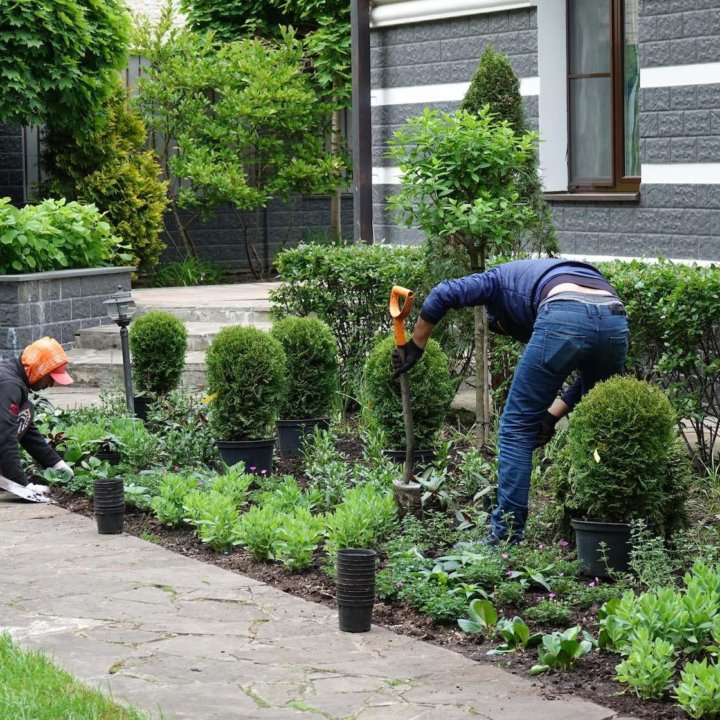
311,353
158,342
431,392
623,457
246,375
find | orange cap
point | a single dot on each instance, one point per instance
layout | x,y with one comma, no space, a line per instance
45,357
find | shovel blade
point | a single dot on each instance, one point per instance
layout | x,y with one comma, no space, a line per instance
24,492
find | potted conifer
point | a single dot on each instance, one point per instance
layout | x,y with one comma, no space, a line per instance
158,342
246,377
624,463
431,391
312,378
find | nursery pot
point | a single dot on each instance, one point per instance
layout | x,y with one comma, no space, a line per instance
292,432
142,405
109,505
421,458
112,456
590,535
355,588
256,454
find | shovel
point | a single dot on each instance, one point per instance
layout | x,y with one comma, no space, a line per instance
398,315
33,493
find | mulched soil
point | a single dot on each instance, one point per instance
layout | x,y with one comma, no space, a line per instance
592,678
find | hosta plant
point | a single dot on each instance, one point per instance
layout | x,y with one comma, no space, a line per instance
517,636
561,650
482,618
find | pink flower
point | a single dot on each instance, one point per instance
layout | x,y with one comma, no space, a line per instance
504,556
541,546
509,573
399,584
253,468
591,584
176,468
551,596
564,543
263,472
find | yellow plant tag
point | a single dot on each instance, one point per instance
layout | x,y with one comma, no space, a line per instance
596,455
209,398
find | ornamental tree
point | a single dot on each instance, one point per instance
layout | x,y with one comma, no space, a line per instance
59,58
459,184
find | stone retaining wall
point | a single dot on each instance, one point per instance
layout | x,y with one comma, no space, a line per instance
57,304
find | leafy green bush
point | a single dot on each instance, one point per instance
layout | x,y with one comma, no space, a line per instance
298,538
168,504
56,235
215,517
108,164
698,691
365,517
311,353
620,439
246,374
158,341
649,666
431,392
348,287
258,531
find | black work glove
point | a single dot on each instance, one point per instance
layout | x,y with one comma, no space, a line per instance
547,429
412,354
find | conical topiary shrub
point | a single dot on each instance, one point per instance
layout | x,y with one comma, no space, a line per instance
431,391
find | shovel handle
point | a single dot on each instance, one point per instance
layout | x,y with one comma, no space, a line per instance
399,314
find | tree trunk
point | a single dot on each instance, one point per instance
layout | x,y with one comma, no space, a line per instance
336,197
190,248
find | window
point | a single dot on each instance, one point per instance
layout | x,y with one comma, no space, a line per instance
603,95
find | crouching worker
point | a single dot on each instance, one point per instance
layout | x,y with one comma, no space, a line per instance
42,365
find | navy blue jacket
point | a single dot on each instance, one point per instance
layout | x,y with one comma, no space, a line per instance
511,293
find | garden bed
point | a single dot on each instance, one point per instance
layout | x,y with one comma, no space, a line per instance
592,678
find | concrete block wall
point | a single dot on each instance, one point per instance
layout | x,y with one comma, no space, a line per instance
57,304
679,125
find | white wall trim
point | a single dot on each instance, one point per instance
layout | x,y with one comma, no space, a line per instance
386,175
680,173
552,61
392,12
627,258
674,75
446,92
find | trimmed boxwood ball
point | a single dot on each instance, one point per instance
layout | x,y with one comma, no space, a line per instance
158,342
312,367
246,374
431,391
624,459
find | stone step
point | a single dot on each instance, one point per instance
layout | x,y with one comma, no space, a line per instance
200,335
242,304
102,368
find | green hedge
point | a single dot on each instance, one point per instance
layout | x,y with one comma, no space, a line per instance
348,287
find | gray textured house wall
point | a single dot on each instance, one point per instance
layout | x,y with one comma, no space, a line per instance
677,124
11,164
428,53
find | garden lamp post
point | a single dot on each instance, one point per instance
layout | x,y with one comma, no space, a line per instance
120,308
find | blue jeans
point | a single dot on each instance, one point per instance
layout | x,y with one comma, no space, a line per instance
568,335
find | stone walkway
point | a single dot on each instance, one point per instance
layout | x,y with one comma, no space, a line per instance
186,639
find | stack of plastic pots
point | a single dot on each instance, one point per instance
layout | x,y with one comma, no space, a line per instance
355,589
109,504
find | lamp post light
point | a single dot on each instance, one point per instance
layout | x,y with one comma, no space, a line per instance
120,308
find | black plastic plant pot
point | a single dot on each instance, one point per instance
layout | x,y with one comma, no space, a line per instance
142,405
110,523
112,457
355,618
256,454
292,432
352,560
602,548
421,458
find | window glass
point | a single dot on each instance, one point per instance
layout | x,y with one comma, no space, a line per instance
591,129
631,82
590,37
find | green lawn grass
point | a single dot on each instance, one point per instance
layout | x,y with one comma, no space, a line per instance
33,688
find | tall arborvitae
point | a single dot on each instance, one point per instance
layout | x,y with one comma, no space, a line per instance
495,84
